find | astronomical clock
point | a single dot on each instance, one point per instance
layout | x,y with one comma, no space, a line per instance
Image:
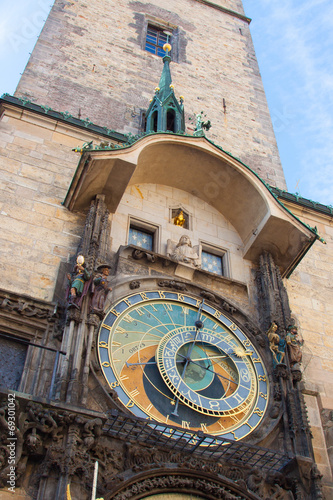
180,361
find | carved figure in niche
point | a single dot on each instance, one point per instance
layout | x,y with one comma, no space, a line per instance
78,282
100,288
295,343
277,344
184,252
179,220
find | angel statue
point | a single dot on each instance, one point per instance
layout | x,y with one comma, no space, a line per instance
184,252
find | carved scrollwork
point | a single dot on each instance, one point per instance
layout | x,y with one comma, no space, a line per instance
179,483
177,285
27,309
140,254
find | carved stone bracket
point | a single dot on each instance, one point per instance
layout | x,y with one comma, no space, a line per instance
140,254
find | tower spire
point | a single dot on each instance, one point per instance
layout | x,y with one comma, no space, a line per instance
165,113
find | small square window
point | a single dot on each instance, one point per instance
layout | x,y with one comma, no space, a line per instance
155,40
212,263
141,238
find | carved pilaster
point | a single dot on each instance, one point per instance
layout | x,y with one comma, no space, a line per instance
94,245
273,300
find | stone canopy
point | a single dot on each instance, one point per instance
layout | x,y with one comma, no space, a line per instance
197,166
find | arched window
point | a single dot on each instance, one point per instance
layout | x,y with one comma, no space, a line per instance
153,122
171,120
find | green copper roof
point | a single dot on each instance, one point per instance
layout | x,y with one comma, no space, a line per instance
165,80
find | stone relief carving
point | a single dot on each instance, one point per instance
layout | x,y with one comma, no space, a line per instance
184,252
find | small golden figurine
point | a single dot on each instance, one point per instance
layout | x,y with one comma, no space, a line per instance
179,220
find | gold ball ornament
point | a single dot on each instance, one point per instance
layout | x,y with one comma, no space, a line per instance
166,47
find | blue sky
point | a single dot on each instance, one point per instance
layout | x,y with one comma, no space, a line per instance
293,40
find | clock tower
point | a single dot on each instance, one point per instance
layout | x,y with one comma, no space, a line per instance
157,355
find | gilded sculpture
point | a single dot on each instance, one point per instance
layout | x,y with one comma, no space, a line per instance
277,344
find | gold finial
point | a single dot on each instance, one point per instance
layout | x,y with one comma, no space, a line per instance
167,47
179,220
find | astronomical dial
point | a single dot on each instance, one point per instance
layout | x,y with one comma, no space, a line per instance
176,360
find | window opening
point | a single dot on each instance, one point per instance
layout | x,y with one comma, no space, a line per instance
171,115
141,238
212,262
154,121
155,40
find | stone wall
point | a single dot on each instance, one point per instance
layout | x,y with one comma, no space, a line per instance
310,293
37,233
90,61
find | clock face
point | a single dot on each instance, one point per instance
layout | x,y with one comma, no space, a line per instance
176,360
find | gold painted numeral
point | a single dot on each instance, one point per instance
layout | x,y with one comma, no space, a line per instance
107,327
115,344
149,407
128,319
204,428
144,296
262,395
247,343
153,307
130,404
140,311
113,385
233,327
161,294
120,330
103,344
169,307
256,360
258,412
217,314
181,297
116,313
185,424
262,378
127,302
106,364
134,393
185,310
123,377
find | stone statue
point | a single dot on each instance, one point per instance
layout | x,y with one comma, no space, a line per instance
100,289
78,280
295,344
184,252
277,344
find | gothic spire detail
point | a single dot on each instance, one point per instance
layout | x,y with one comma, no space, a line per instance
166,113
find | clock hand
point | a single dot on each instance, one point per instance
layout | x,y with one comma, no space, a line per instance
209,357
147,363
209,370
143,363
198,325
